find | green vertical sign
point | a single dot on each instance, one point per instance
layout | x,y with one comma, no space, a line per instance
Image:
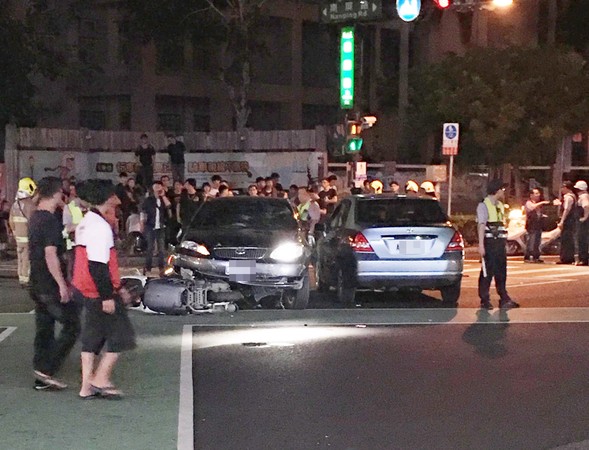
347,68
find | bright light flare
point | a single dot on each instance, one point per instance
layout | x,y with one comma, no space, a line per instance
502,3
270,337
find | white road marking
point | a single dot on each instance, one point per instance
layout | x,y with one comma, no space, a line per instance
6,333
186,406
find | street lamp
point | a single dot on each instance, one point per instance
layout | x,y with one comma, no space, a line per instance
502,3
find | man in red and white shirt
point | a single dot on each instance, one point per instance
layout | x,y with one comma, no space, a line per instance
105,325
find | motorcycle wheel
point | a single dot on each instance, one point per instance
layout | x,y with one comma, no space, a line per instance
512,248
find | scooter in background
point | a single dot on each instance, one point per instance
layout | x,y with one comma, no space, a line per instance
517,236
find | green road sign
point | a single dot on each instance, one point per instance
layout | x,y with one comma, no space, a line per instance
347,68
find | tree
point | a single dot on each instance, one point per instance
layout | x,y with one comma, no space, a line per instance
33,52
514,105
230,26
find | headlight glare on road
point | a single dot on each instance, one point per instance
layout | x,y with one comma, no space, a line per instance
287,252
195,247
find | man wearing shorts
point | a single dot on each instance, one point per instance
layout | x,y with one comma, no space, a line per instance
105,325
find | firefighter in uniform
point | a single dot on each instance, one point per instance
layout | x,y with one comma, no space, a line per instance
492,239
20,213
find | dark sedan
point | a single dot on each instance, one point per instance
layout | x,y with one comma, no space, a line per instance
255,245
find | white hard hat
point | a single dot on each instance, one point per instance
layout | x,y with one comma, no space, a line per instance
428,187
581,185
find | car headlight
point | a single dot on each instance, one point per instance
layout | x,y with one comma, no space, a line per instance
287,252
195,247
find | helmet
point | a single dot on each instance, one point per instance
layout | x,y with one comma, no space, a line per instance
27,186
411,186
376,186
428,187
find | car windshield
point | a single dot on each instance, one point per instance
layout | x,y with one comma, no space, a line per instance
267,214
392,212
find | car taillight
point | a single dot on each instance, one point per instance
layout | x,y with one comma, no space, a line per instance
359,243
456,243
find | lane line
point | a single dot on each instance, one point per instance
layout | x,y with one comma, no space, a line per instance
186,404
6,333
518,285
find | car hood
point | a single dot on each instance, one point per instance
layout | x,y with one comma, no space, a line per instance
236,237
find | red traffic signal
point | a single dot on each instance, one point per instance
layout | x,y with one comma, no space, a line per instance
442,4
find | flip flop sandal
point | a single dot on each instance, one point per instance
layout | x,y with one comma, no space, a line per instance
108,392
92,396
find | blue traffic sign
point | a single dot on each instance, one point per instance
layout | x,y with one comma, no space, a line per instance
450,131
408,10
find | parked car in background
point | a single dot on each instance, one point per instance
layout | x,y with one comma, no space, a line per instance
389,241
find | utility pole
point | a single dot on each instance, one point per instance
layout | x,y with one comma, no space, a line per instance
405,30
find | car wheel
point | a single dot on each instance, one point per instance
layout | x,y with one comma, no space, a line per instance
299,298
451,294
320,277
345,294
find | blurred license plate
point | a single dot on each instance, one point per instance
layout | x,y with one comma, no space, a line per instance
412,247
241,270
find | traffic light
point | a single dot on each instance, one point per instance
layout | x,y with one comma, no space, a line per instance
353,140
442,4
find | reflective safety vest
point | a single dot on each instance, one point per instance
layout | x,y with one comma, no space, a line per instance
20,212
495,226
303,211
77,216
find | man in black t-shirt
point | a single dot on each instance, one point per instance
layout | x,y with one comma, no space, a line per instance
188,202
49,289
176,150
145,153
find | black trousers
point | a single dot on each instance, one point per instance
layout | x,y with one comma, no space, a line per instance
583,241
155,237
51,351
496,265
567,242
146,175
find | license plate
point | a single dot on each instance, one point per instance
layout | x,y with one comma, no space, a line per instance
241,270
412,247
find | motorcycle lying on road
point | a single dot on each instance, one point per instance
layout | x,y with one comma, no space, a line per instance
517,236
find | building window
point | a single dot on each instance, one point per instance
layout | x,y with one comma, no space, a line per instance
93,120
92,45
320,55
314,115
272,60
201,114
169,122
265,116
170,56
124,104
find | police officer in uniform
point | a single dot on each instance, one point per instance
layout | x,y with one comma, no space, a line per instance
492,239
20,213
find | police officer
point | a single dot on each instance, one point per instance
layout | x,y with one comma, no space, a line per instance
20,213
492,238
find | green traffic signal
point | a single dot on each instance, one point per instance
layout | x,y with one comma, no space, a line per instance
354,144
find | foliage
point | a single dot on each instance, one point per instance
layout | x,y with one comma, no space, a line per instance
514,104
32,52
229,26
